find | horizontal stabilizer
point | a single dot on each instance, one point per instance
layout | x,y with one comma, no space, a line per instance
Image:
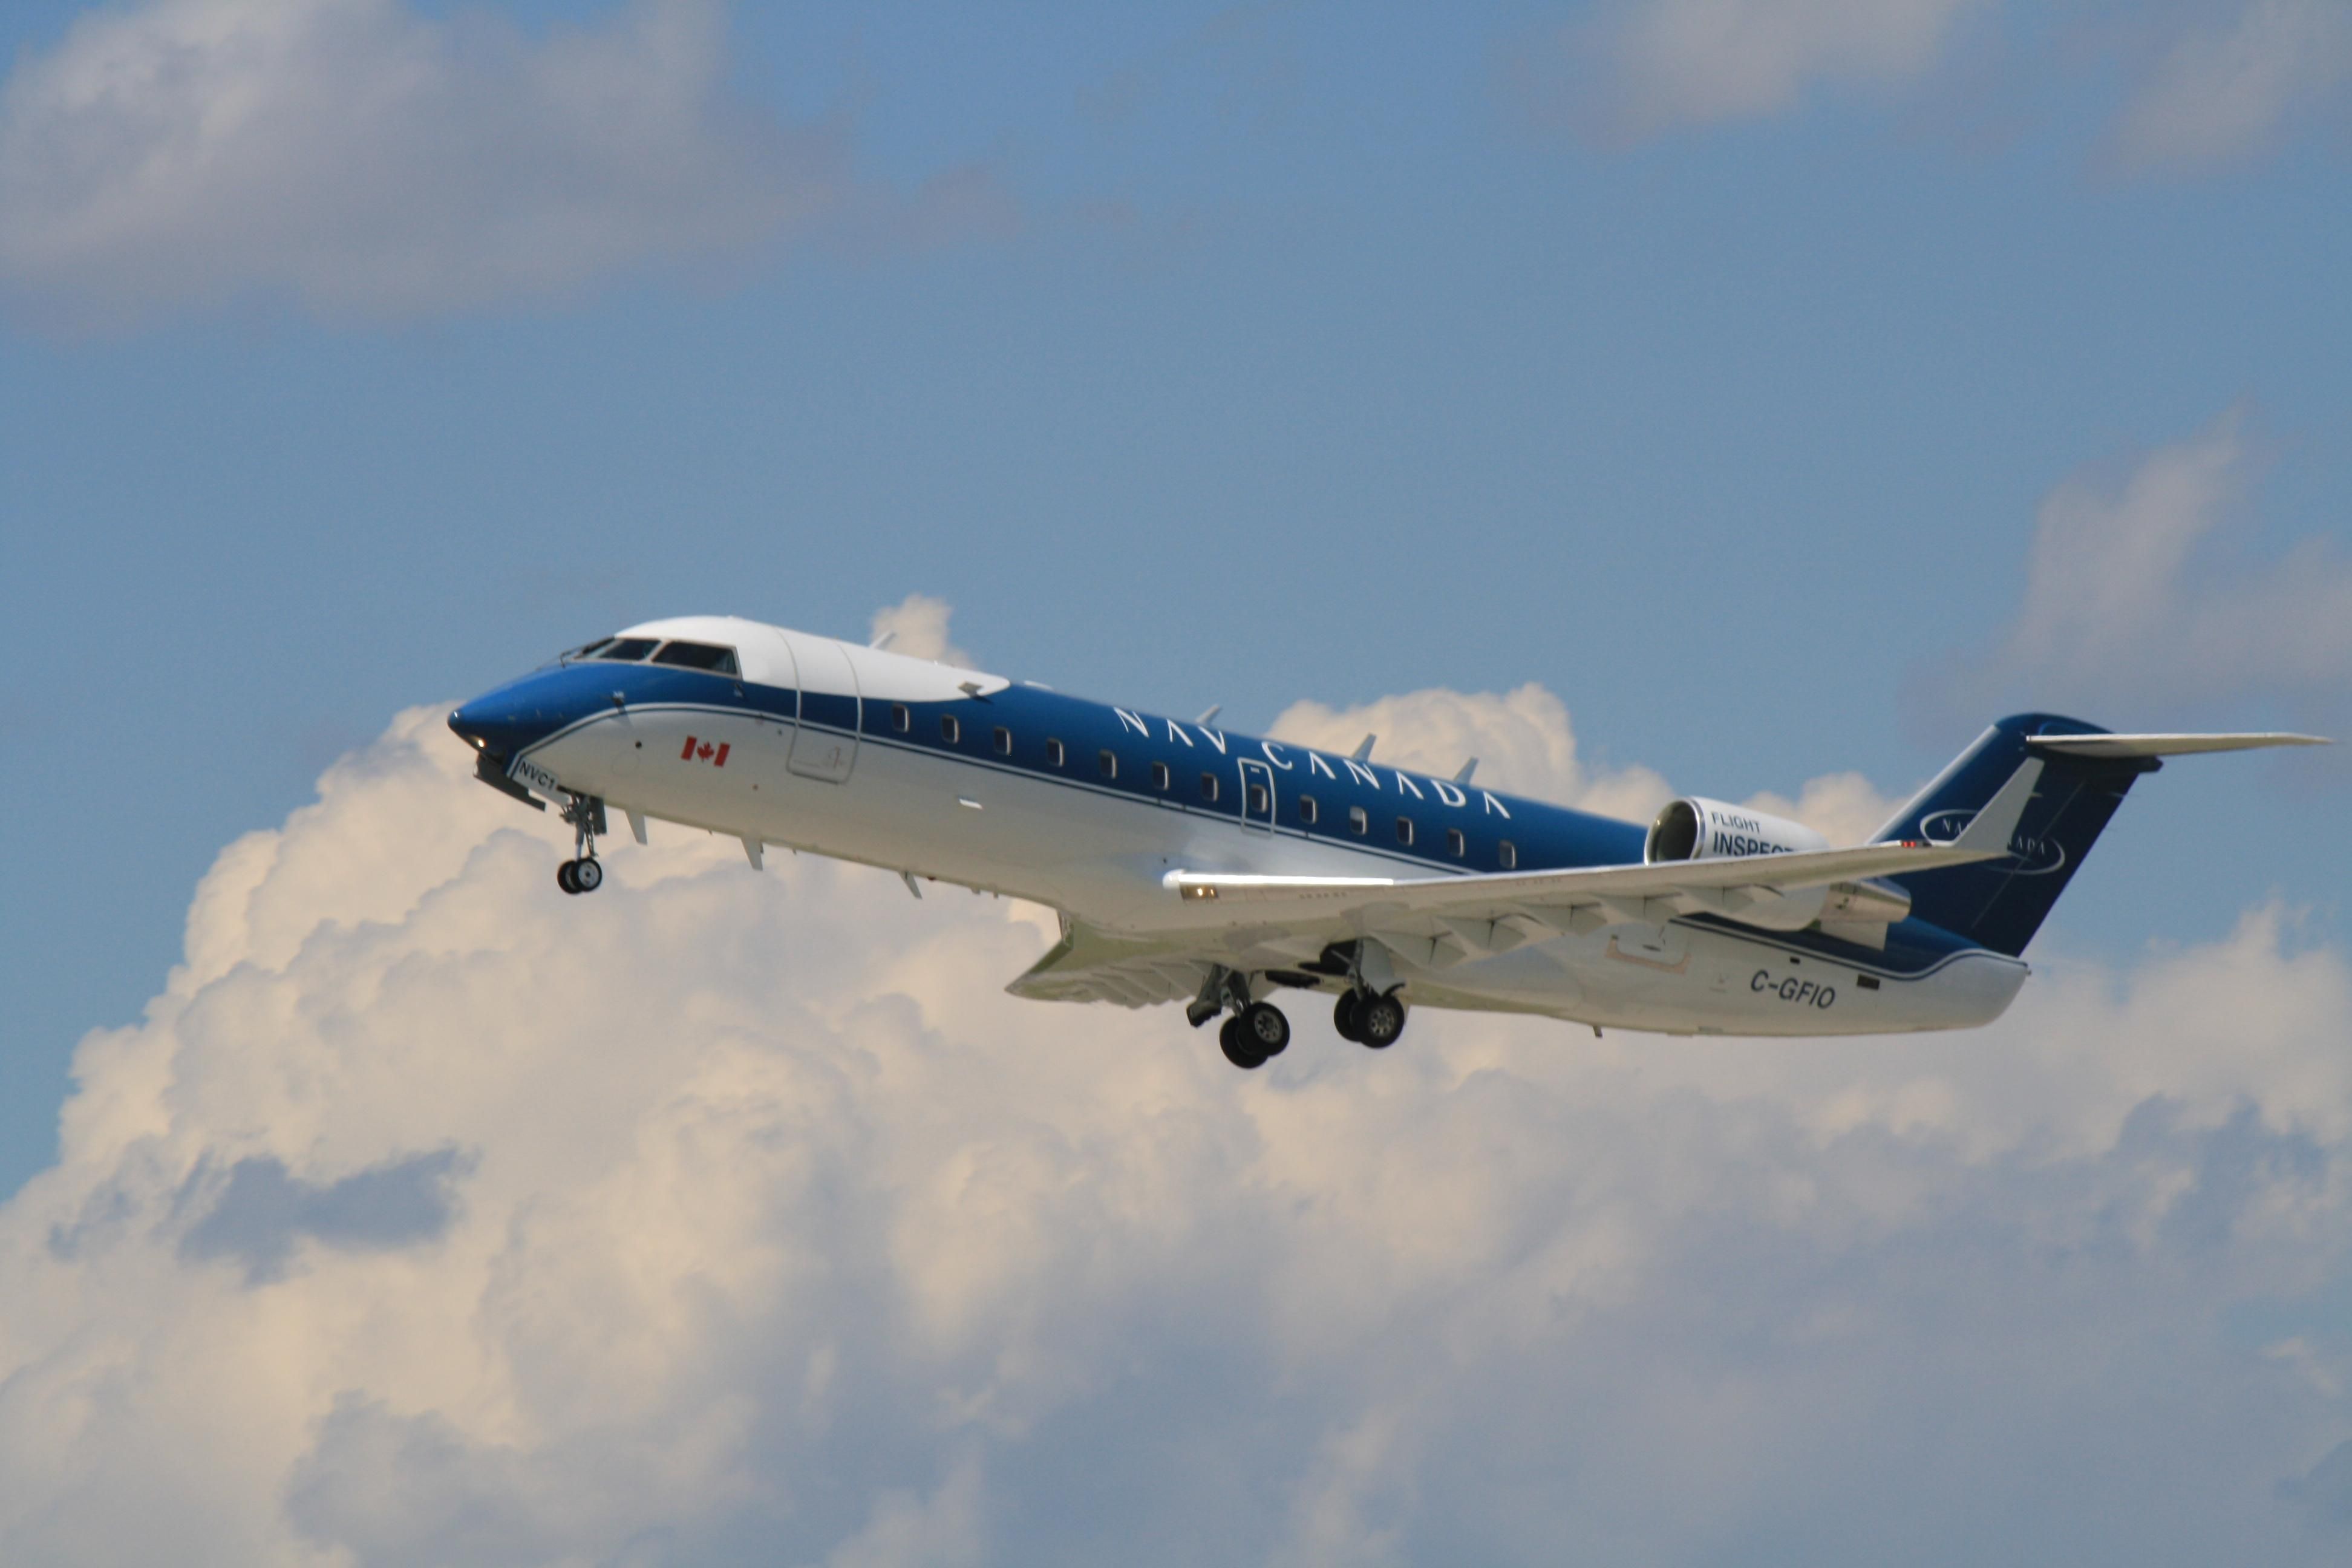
2165,745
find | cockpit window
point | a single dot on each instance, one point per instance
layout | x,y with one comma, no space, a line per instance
631,649
591,651
699,656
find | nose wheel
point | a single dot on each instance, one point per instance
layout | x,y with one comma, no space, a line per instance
583,873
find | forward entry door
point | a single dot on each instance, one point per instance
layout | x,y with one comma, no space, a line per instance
826,744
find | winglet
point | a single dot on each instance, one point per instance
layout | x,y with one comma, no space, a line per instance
1990,829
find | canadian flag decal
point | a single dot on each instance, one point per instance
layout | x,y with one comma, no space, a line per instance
704,751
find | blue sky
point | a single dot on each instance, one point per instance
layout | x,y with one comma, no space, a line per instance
1280,353
1727,390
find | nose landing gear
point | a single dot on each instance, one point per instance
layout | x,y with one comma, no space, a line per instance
583,873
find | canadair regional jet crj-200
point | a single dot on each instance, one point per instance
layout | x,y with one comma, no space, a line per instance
1192,864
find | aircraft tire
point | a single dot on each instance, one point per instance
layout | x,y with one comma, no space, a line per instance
1343,1016
1267,1031
563,877
1379,1021
587,876
1237,1045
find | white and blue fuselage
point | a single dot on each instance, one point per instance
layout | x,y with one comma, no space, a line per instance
777,737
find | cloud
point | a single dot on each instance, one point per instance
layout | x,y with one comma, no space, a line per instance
371,160
2133,605
2224,90
782,1234
2208,82
918,625
1644,66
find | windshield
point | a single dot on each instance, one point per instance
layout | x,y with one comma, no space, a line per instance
699,656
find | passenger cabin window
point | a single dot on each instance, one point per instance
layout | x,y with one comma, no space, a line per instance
1107,764
1506,855
1258,803
1054,756
699,656
1209,786
1404,831
628,650
1159,775
1003,741
951,729
1456,845
900,719
1359,821
1306,809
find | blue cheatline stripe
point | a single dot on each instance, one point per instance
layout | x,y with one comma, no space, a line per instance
1547,836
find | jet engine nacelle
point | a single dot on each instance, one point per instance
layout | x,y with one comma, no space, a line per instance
1701,829
1695,828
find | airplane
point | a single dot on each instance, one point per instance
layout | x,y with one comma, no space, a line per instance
1192,864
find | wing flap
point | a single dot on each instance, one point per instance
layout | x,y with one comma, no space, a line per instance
1086,965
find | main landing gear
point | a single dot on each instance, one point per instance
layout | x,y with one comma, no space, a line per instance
1368,1018
1254,1033
583,873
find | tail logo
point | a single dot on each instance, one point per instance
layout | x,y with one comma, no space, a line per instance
2033,856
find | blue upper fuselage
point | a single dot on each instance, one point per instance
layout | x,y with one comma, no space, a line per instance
1423,824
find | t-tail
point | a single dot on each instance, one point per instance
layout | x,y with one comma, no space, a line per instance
2071,776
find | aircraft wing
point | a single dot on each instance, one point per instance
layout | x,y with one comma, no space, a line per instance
1704,884
1273,922
1277,923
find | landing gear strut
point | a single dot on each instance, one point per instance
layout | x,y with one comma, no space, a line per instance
583,873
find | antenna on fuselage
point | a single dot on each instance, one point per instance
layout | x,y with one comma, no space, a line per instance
1207,714
1364,751
1467,769
885,640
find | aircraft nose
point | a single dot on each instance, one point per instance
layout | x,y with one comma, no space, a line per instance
505,721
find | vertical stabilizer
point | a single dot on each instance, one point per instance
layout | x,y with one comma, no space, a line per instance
2049,805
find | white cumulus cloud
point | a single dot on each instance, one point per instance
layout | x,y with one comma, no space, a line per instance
430,1217
2133,602
375,160
918,625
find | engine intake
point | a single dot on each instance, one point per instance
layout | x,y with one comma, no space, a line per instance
1696,828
